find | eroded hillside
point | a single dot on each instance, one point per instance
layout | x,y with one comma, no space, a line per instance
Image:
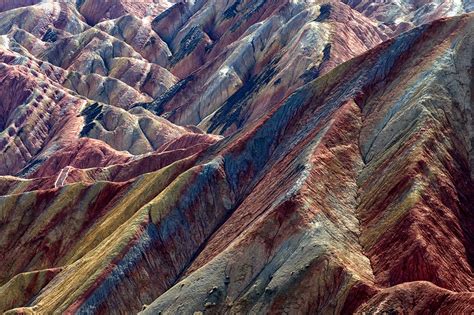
238,157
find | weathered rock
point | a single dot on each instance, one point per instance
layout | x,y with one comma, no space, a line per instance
419,297
344,183
43,16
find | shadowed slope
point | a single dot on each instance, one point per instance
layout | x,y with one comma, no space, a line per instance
345,189
205,222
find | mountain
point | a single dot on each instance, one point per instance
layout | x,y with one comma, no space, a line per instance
236,157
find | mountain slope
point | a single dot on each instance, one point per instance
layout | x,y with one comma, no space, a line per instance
344,183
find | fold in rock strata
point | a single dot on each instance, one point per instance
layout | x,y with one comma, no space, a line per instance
344,183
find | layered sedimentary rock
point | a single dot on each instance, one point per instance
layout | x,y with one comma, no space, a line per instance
95,11
398,16
344,183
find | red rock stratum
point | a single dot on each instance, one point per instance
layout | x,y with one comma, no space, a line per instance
236,157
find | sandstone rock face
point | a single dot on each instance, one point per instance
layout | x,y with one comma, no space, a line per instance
8,5
402,15
236,157
95,11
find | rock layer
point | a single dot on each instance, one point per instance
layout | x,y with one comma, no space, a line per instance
344,183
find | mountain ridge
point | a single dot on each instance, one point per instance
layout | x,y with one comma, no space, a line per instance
349,191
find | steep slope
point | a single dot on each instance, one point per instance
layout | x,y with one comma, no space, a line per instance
237,61
372,190
398,16
256,56
96,11
301,211
40,117
344,183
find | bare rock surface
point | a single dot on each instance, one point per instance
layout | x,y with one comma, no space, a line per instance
236,157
